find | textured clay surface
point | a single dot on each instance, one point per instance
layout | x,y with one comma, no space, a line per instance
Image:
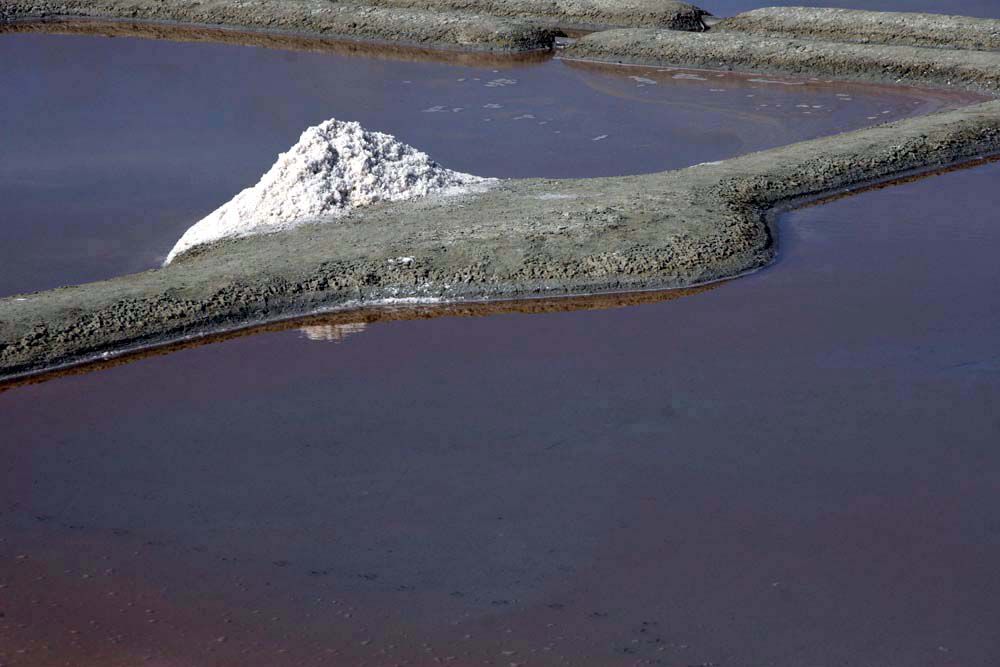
853,25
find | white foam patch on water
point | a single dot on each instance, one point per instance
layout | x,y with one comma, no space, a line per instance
335,167
332,333
779,83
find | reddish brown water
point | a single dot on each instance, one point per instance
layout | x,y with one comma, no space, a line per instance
112,148
795,468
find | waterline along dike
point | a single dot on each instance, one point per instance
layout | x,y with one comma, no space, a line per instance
508,333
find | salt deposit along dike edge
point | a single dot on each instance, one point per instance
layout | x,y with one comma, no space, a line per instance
334,167
530,238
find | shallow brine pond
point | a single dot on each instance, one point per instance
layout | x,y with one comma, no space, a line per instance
112,148
794,468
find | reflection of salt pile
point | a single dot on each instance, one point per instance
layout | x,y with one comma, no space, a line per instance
335,167
332,333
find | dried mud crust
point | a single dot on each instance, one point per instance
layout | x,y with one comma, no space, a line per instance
530,238
217,35
977,71
456,30
579,14
852,25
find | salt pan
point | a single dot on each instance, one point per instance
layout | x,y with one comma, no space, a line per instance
335,167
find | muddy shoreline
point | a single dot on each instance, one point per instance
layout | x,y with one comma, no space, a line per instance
478,25
975,71
414,28
670,230
174,32
866,27
469,308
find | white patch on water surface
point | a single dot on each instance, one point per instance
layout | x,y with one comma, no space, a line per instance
780,83
435,109
500,83
493,106
643,80
332,333
525,116
689,77
335,167
600,138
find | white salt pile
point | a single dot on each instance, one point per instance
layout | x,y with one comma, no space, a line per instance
336,166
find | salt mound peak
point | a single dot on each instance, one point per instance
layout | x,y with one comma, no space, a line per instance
336,166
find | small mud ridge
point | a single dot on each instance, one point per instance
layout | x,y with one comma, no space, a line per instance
852,25
529,238
488,25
